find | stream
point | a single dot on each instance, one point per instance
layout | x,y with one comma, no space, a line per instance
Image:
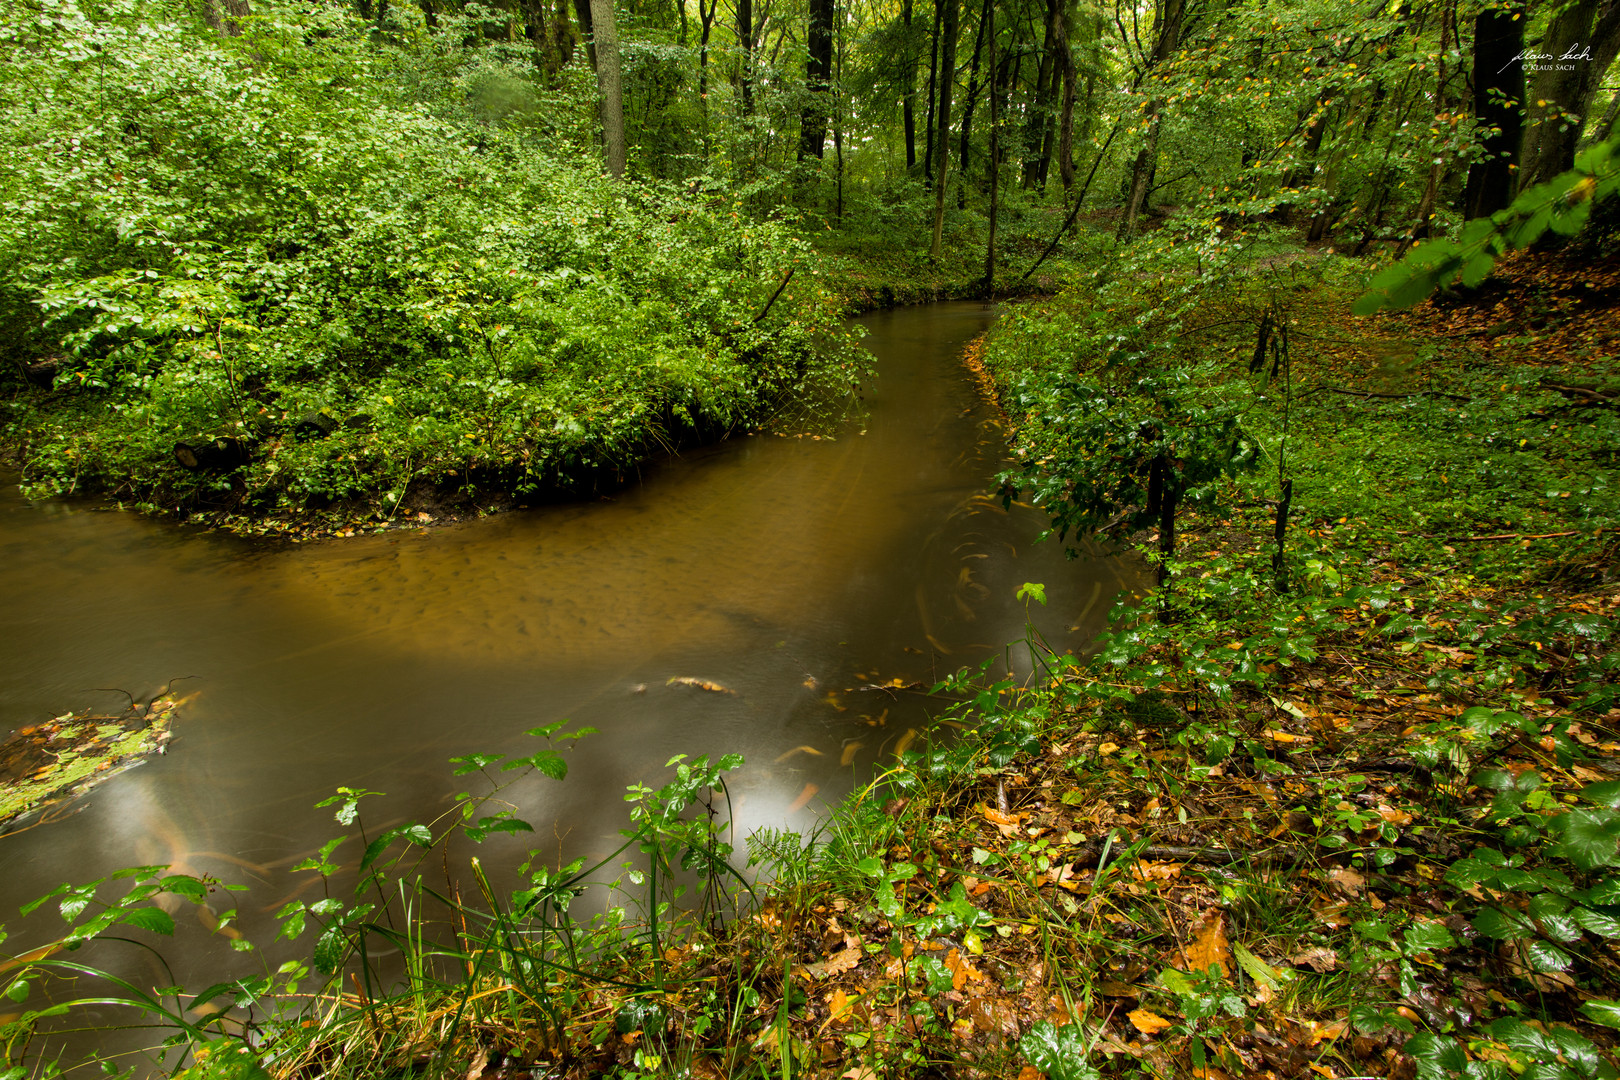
800,574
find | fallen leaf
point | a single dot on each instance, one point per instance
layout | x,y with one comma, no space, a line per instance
840,1007
1208,947
1347,881
1147,1022
699,684
798,750
850,749
1394,816
961,971
1006,823
1318,959
804,798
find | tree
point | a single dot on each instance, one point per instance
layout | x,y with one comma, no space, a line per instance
947,78
605,38
1583,40
817,78
1498,108
1167,23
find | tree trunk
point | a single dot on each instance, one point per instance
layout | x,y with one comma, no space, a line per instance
228,21
993,162
817,77
933,72
1498,100
745,43
605,37
908,92
1065,148
1588,34
582,13
1169,30
947,79
967,108
1041,108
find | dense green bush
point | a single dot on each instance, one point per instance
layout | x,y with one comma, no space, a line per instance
268,239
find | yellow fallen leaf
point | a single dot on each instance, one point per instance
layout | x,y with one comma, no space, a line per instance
1394,816
798,750
804,798
1147,1022
961,971
851,748
1208,947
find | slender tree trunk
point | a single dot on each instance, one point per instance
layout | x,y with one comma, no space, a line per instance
1041,108
745,43
817,77
947,79
1065,149
993,159
605,35
1498,101
1169,29
582,14
908,93
967,108
933,72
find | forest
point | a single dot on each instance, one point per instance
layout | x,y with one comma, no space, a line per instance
1308,307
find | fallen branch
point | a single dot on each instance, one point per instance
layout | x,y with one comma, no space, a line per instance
766,310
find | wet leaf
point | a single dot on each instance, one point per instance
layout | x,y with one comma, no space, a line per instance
1147,1022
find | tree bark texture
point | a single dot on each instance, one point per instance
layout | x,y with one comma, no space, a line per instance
1588,33
817,78
605,35
947,79
1169,34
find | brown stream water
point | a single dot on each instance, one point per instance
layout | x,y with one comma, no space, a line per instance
784,569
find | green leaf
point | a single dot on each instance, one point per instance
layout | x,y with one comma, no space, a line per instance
1587,838
1545,956
1606,1013
1428,936
1059,1052
1502,925
189,887
1602,923
1606,794
330,950
150,918
1477,270
1438,1057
